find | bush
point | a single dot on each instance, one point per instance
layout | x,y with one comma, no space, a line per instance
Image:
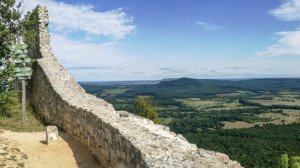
145,107
7,101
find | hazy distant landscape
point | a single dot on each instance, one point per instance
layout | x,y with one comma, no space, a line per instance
254,121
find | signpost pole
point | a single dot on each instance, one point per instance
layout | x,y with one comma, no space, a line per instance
23,94
24,102
21,71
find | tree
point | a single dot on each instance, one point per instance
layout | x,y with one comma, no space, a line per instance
145,107
6,102
10,29
284,161
295,162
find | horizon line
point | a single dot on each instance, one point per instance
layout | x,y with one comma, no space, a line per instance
129,80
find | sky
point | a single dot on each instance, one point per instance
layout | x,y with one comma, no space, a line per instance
113,40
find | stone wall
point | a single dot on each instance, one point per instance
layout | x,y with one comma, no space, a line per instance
117,138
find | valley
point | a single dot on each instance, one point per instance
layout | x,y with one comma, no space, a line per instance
253,121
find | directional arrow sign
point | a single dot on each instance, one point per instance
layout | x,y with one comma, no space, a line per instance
23,74
23,69
22,55
18,46
23,77
20,52
21,60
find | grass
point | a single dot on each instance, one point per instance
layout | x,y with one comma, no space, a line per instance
289,93
4,154
238,93
25,156
277,101
277,119
165,121
282,98
237,125
14,123
21,164
227,108
15,149
199,104
114,92
234,103
213,104
12,157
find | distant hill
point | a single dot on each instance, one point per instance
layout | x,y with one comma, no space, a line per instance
188,87
133,82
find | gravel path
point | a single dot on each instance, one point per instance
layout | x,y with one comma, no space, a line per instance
22,149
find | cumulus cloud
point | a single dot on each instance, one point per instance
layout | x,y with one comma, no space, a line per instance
87,60
74,18
290,11
288,44
208,26
289,41
77,53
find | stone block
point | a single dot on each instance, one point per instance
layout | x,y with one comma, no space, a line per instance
51,134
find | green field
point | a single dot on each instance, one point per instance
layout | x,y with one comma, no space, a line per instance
113,92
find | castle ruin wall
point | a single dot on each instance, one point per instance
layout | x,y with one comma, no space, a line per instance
117,139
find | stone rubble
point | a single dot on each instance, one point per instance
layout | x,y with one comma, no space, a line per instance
117,138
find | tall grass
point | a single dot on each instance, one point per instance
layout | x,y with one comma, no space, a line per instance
13,121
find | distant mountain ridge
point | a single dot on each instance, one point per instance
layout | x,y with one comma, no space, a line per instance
189,87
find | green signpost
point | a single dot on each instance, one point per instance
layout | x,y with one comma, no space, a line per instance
20,59
22,70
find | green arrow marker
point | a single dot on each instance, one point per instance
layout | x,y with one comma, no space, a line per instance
19,69
23,74
22,70
20,52
24,77
20,65
21,60
18,46
22,55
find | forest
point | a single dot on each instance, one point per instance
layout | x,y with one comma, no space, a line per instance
253,121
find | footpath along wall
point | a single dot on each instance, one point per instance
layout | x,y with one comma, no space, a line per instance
117,138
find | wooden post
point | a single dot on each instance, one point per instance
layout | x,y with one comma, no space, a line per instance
23,93
18,40
24,102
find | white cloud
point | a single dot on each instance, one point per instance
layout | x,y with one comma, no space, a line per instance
107,61
288,44
76,53
73,18
208,26
290,11
289,41
87,61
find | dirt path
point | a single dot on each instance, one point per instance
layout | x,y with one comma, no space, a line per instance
22,149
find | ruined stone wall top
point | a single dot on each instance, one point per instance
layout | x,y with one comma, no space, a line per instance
97,125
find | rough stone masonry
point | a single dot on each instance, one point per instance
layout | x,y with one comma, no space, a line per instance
117,138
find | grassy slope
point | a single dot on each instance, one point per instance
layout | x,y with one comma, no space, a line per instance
14,123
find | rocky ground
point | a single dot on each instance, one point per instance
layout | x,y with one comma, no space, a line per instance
22,149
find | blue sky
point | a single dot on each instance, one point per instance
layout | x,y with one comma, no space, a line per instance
98,40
